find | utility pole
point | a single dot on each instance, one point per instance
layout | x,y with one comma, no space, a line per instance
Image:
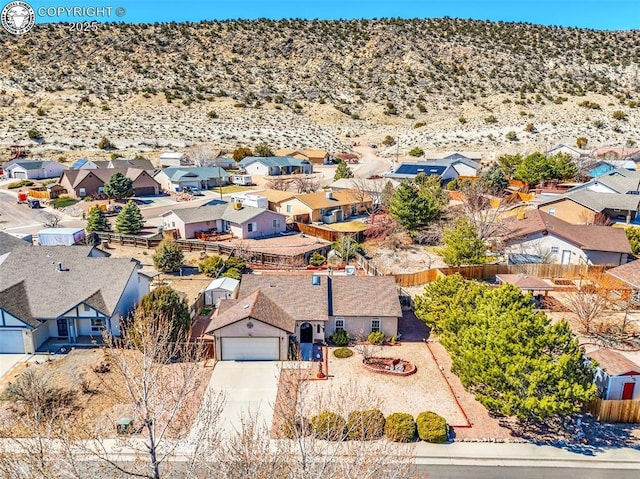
219,183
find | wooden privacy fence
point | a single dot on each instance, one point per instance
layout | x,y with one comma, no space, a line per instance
421,277
615,411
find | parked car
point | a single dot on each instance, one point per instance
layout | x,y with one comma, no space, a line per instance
33,203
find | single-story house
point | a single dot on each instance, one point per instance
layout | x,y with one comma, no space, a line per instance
556,241
373,187
617,377
33,169
454,155
242,221
619,181
325,206
98,293
221,288
226,163
139,163
629,274
171,158
572,151
275,165
447,170
317,157
276,198
175,179
274,310
85,164
587,206
82,183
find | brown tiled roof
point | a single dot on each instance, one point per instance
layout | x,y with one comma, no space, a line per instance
525,282
276,196
587,237
319,199
76,176
365,296
256,306
629,273
614,363
306,152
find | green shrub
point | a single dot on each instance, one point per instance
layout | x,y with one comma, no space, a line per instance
376,337
63,202
233,273
400,427
235,263
432,427
211,266
340,338
328,426
19,184
416,152
317,259
365,425
342,353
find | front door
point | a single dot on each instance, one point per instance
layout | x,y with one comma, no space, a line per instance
627,390
306,333
566,256
63,329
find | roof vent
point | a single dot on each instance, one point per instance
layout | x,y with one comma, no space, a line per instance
329,195
315,280
59,268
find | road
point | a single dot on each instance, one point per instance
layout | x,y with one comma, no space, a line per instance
370,163
518,472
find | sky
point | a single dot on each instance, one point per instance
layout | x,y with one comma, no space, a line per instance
596,14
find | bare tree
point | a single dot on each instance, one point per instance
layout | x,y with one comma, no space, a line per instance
484,210
202,155
306,183
51,220
590,300
368,192
365,348
280,184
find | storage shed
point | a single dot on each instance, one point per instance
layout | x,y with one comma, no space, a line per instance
221,288
60,236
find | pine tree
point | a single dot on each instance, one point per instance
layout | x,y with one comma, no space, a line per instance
342,171
168,256
166,302
119,187
462,245
97,221
494,179
417,203
129,221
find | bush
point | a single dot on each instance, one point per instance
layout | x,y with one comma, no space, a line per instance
432,427
400,427
340,338
168,256
236,263
342,353
19,184
328,426
365,425
376,337
416,152
105,144
211,266
34,134
233,273
317,259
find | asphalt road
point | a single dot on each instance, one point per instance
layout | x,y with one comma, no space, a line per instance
508,472
14,215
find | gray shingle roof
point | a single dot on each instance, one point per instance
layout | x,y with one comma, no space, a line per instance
183,173
32,289
274,161
365,296
8,242
598,202
224,211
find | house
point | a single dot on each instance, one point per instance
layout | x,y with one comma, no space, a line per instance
82,183
556,241
226,163
447,169
617,377
33,169
275,165
370,186
139,163
325,206
600,168
619,181
317,157
98,293
561,148
274,310
221,288
7,243
175,179
629,274
616,153
171,158
584,206
454,155
85,164
242,221
276,198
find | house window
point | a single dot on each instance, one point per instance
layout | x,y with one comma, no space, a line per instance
339,324
86,308
552,211
276,223
250,227
97,324
555,250
375,325
82,192
318,328
289,209
100,189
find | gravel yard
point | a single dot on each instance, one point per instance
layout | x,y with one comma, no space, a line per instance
423,391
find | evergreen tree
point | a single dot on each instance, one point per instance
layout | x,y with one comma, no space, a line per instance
211,266
263,150
417,203
119,187
386,194
342,171
168,257
509,163
462,245
494,179
97,221
165,302
129,221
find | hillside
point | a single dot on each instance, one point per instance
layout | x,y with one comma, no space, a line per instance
437,84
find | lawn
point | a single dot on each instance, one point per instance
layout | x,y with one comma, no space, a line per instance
63,202
232,189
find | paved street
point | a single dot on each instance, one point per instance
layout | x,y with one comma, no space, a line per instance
519,472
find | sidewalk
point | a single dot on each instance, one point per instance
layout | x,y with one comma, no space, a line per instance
525,455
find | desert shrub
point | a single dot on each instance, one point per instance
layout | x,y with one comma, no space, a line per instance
19,184
211,266
416,152
619,115
400,427
365,425
340,338
34,390
342,353
432,427
329,426
376,337
491,119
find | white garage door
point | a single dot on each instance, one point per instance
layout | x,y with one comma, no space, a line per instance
20,174
250,349
11,341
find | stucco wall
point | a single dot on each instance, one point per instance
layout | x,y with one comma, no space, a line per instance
318,330
570,212
358,326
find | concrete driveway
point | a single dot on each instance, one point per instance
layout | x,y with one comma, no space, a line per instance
248,387
7,361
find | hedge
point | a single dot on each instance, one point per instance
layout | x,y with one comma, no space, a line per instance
342,353
400,427
340,338
329,426
432,427
366,425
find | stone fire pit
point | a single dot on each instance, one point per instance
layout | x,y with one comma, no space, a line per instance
391,366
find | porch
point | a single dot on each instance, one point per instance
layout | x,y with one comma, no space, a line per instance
64,345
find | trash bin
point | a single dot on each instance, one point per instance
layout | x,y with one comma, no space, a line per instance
124,426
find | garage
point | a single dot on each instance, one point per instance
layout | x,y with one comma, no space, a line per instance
250,349
11,341
20,175
145,191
